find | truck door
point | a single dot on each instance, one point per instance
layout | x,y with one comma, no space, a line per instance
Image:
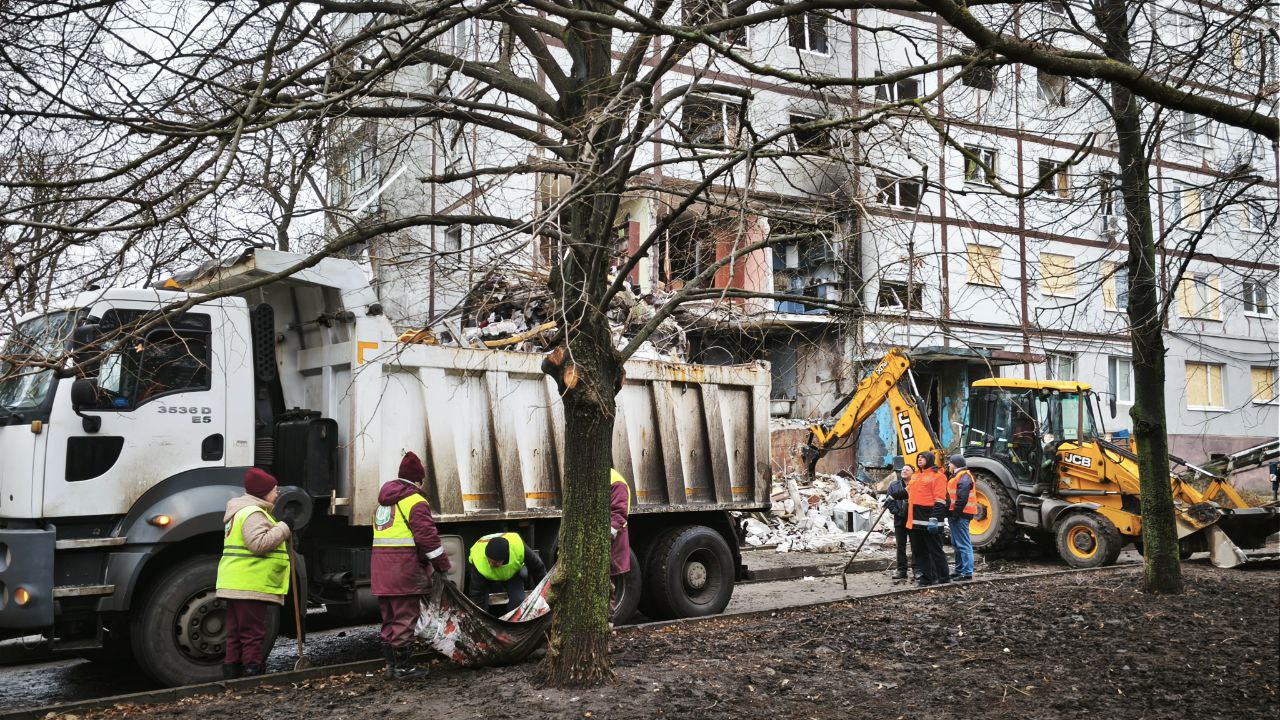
162,405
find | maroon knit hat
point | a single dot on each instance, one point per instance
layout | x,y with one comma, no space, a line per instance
258,482
411,468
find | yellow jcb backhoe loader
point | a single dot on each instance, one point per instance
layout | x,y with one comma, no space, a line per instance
1042,468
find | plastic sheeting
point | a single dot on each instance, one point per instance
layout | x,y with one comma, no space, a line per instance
471,637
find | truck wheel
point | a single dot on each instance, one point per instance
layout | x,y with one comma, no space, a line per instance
993,528
180,627
627,590
1088,540
690,573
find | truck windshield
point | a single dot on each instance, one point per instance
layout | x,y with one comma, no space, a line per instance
24,382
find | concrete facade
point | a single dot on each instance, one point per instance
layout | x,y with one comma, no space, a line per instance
921,249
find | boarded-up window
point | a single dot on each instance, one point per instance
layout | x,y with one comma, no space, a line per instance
1264,384
1058,277
1115,287
1204,385
984,264
1188,207
1200,297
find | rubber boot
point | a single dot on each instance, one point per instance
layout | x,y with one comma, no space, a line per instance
389,654
252,669
406,668
231,671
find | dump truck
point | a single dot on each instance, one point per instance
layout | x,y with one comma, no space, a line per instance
124,431
1043,468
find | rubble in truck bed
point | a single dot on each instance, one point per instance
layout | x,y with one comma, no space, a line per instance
516,314
830,514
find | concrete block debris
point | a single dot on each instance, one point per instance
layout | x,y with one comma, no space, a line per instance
829,514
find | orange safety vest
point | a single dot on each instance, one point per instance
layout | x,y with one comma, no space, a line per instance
926,488
970,505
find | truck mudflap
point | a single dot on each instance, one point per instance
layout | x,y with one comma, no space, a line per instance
26,579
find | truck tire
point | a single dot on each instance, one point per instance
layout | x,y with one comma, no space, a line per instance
179,626
627,593
1088,540
993,528
690,573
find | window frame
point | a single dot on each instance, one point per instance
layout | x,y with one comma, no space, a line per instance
990,156
1209,385
1113,363
729,133
806,32
1201,309
891,185
1053,361
1249,296
1061,97
1112,273
891,92
972,277
912,292
715,11
1057,185
201,326
793,139
1046,285
1275,385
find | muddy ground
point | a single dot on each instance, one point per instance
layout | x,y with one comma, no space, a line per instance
1081,645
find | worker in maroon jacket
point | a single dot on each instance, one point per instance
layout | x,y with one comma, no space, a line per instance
620,548
406,548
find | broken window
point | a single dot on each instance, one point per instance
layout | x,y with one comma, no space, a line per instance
1060,366
1246,49
703,12
1253,215
902,192
1186,207
1057,7
1199,297
899,295
353,167
808,31
974,162
808,138
1054,180
980,77
1255,297
902,90
1115,287
1191,128
1051,88
708,121
690,249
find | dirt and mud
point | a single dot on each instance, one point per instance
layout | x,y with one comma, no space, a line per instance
1079,645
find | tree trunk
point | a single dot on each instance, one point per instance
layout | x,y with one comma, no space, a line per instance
1162,571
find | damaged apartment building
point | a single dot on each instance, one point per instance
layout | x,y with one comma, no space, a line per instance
1004,259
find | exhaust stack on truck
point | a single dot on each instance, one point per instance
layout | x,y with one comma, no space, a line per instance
112,485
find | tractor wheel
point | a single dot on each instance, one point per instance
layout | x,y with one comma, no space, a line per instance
1088,540
993,528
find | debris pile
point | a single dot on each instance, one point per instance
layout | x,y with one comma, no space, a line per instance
831,514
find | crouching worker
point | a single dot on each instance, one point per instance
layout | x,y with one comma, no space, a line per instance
253,573
502,563
406,550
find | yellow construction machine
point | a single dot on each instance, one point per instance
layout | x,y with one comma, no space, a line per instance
1043,468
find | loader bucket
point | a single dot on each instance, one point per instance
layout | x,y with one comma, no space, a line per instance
1249,528
1236,536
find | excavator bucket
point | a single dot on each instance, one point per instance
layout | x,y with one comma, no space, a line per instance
1233,536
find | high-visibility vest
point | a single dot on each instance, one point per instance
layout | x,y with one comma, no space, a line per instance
970,505
391,523
926,488
242,569
515,560
616,478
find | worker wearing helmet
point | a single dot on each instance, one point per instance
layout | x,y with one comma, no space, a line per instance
927,496
253,573
963,507
406,552
501,562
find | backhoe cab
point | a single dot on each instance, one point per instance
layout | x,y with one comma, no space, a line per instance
1042,467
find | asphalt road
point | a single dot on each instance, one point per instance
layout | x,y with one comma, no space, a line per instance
63,680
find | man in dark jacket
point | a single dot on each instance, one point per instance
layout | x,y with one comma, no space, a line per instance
501,562
896,503
406,549
964,507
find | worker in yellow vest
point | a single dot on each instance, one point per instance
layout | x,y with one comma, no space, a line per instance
406,551
501,562
253,573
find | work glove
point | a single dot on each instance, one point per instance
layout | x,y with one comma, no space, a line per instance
934,526
290,518
441,564
613,532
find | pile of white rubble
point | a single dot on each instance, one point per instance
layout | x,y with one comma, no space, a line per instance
831,514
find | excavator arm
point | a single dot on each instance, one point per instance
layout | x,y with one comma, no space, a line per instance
890,381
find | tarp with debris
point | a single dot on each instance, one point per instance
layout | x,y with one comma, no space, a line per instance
471,637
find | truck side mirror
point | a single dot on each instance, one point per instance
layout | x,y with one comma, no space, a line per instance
1111,403
84,392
